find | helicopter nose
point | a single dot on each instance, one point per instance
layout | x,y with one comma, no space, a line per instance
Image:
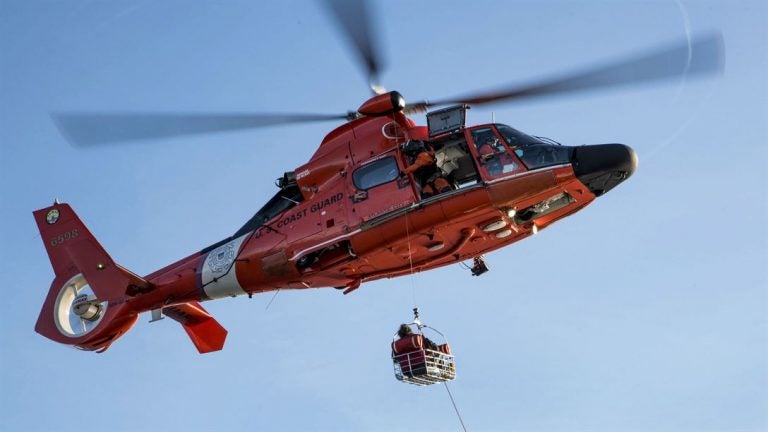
602,167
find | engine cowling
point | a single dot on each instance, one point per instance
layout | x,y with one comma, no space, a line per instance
383,104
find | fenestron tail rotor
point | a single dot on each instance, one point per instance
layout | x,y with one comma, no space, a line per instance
77,311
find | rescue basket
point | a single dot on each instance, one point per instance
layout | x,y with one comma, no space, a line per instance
419,361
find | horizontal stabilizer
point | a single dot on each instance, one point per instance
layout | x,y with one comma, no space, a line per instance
206,333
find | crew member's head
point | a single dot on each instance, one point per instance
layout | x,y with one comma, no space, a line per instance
414,147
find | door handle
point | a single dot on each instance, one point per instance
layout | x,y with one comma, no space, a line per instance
360,196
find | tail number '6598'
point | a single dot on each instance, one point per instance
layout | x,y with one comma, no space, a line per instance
61,238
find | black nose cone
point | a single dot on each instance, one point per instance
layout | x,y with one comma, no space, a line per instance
602,167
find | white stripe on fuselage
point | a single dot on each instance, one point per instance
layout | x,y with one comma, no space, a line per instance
218,274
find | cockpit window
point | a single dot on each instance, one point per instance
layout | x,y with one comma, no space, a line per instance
492,154
376,173
515,138
534,152
282,201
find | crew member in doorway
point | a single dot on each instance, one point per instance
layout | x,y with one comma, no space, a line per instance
424,169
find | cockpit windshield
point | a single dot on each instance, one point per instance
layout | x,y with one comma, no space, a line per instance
534,152
515,138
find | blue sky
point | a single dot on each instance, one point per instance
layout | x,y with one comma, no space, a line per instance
644,312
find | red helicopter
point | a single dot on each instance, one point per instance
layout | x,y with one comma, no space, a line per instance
356,211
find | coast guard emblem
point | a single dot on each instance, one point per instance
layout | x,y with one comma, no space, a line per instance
52,216
220,259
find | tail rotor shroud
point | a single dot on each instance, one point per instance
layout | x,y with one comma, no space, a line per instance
77,311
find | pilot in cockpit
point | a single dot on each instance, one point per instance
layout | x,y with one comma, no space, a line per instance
489,150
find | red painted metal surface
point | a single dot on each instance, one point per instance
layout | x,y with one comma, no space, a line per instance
351,236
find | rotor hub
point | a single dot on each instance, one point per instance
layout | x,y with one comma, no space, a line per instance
86,308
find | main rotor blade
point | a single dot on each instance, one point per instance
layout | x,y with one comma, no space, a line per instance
705,55
354,19
87,129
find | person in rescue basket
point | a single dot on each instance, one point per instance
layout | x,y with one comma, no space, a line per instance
413,361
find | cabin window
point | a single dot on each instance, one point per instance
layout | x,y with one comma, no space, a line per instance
376,173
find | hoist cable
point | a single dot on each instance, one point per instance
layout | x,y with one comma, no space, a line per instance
408,238
410,259
272,299
454,406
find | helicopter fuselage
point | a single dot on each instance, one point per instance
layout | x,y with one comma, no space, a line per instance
350,215
353,213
